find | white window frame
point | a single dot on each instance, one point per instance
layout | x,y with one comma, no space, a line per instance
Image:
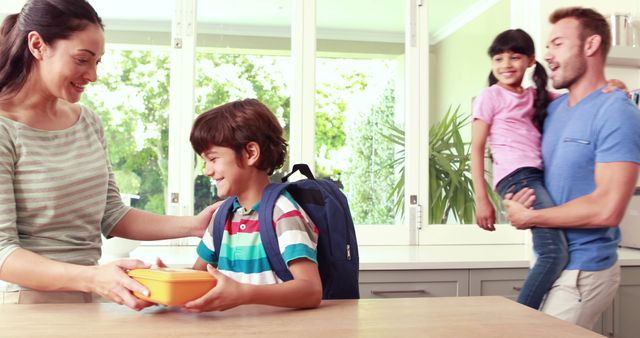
181,107
303,55
415,230
524,15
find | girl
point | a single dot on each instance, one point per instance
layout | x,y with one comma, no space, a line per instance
511,118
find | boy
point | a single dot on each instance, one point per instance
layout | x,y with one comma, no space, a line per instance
241,143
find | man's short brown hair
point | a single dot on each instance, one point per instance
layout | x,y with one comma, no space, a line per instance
234,125
592,23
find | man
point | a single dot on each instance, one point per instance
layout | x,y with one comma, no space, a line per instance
591,151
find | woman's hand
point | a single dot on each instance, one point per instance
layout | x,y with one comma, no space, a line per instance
485,214
225,295
614,84
202,220
112,282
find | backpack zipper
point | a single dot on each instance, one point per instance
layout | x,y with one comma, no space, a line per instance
348,252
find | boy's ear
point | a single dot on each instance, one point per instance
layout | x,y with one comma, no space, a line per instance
252,153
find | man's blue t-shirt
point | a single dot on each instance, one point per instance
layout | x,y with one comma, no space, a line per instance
600,128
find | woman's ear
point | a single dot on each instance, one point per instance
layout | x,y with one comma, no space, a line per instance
36,45
252,153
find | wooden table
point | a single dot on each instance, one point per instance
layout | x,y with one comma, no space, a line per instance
400,317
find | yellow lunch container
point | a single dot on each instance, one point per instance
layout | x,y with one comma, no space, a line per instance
173,286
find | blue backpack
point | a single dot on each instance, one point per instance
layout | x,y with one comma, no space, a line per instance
327,206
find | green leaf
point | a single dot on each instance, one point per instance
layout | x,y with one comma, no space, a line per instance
450,184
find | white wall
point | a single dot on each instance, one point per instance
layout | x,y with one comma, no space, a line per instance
459,64
11,6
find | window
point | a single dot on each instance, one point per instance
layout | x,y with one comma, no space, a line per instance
355,84
460,34
241,54
131,97
359,102
359,80
457,37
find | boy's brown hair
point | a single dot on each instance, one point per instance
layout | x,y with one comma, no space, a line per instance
591,22
234,125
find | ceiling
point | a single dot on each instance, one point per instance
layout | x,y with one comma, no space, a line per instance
385,17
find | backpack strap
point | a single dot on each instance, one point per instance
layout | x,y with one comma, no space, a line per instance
219,222
267,232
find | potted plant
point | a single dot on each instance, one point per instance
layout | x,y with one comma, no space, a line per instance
450,186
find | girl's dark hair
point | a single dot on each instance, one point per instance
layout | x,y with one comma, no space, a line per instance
53,20
518,41
234,125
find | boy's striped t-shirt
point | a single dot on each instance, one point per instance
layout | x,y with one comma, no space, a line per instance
242,255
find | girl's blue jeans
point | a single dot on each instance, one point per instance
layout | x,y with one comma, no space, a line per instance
550,244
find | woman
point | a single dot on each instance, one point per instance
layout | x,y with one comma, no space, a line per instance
58,189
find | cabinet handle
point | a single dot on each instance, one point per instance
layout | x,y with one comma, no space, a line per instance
517,288
402,292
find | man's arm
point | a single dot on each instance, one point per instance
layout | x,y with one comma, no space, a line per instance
604,207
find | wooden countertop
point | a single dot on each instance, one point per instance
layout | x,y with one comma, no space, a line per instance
399,317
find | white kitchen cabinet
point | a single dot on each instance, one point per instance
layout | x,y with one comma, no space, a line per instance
496,282
624,56
414,283
621,320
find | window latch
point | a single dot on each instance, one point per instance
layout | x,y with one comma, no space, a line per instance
415,212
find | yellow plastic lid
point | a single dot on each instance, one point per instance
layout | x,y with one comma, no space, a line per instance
173,286
171,274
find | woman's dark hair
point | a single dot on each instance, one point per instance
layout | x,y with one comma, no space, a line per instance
234,125
518,41
53,20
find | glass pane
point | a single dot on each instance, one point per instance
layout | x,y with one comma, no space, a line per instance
131,97
243,52
359,105
460,34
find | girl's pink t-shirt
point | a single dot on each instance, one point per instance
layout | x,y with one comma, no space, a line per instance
513,139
